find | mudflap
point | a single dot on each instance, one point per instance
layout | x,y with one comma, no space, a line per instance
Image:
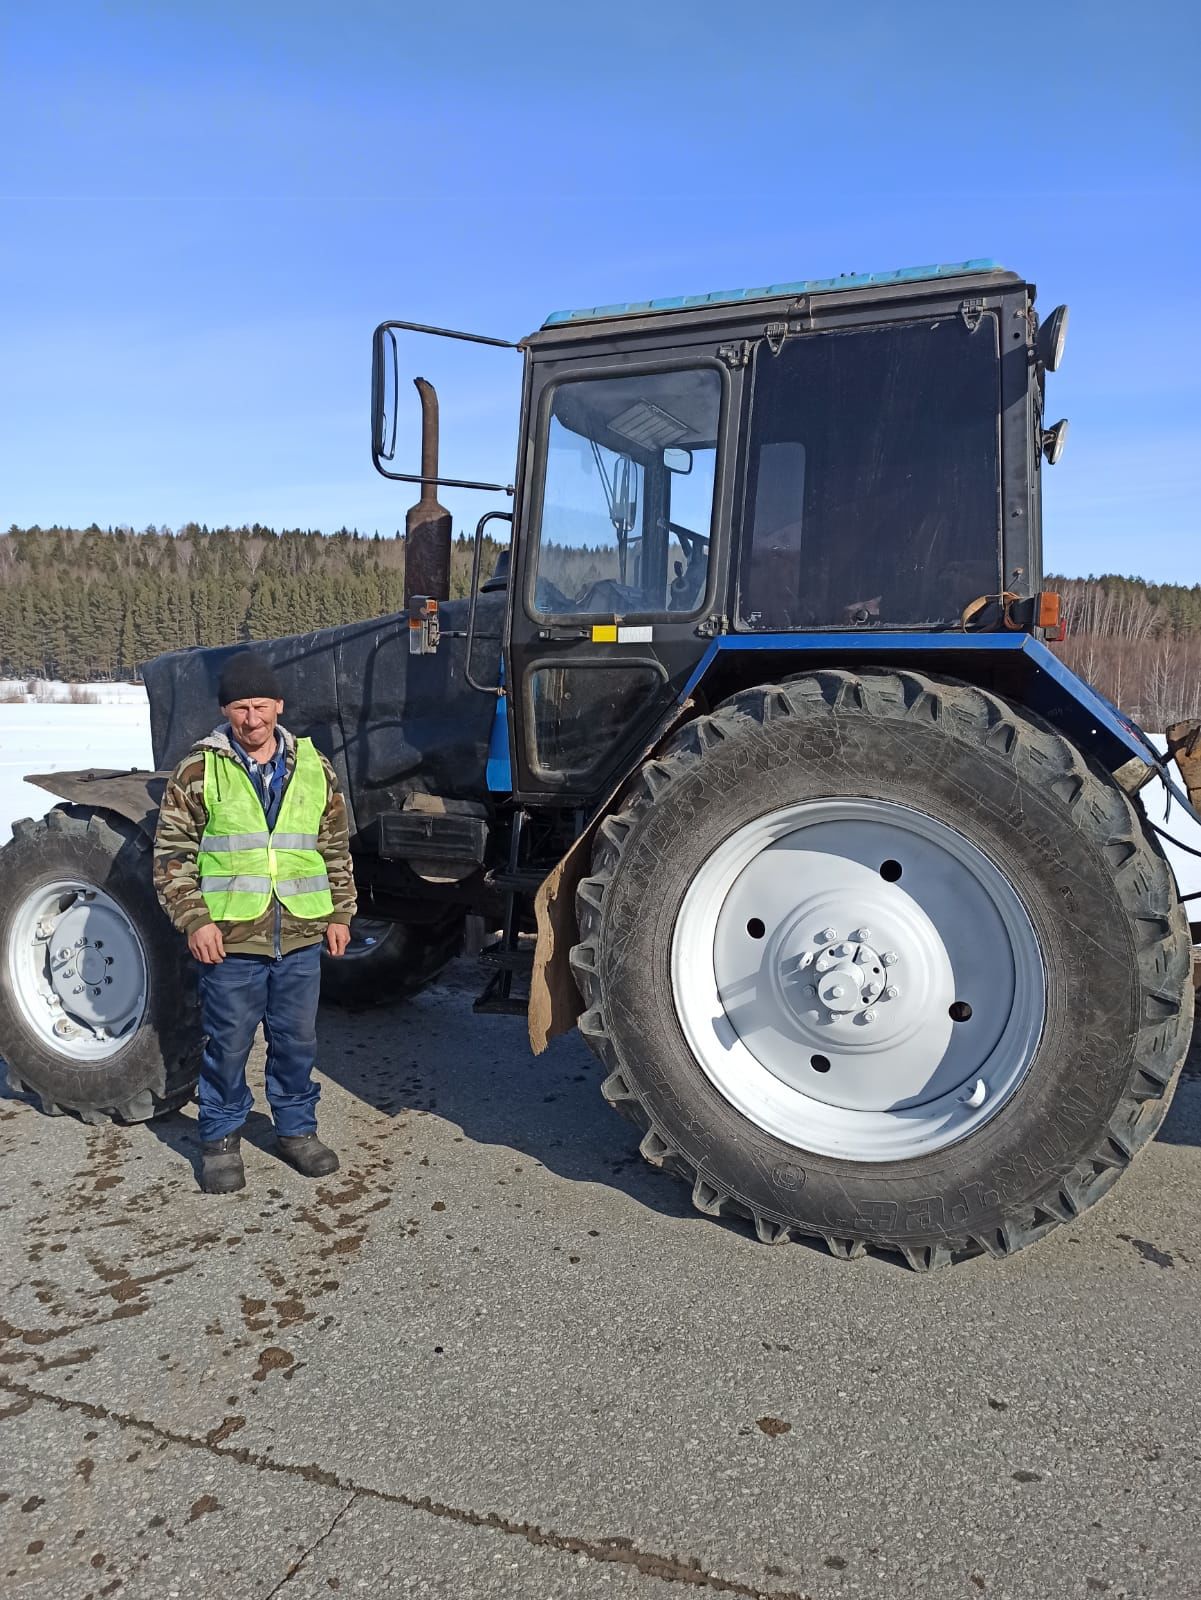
555,1003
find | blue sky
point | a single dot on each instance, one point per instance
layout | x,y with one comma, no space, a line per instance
205,208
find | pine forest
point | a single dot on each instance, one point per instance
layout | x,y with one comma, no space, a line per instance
90,604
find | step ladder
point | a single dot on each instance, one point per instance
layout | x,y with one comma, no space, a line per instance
509,960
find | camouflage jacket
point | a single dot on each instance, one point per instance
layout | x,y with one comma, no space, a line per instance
181,823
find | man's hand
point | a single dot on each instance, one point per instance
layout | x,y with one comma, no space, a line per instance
207,945
337,937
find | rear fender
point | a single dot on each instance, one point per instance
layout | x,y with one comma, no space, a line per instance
1014,665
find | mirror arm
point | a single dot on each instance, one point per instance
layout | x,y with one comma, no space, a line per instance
484,688
448,483
378,453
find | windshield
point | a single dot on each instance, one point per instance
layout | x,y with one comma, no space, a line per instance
872,492
627,499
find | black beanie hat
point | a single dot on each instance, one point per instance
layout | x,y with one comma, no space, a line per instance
247,676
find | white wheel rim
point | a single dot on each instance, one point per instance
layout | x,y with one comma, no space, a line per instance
77,969
816,990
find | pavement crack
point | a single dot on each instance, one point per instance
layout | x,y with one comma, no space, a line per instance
316,1545
619,1551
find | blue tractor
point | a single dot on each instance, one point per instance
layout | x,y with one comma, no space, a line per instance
754,755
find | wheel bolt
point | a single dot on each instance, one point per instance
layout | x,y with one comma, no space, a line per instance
824,964
107,980
863,935
827,934
100,944
890,958
64,955
80,944
869,1016
108,960
892,992
836,993
78,989
95,991
69,973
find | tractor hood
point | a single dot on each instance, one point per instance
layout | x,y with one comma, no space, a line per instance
390,722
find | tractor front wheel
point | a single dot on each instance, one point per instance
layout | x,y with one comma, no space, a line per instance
98,1010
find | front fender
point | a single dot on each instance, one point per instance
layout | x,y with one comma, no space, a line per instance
131,793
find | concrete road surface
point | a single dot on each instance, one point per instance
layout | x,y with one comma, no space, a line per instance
499,1356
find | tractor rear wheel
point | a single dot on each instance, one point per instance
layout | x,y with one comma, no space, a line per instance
98,1006
880,958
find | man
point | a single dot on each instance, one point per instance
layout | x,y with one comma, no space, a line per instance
252,864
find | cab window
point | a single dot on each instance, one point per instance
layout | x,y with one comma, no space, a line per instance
627,495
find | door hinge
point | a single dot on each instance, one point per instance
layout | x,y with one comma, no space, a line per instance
735,355
710,627
971,311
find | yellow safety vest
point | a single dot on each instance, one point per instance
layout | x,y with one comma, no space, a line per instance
242,864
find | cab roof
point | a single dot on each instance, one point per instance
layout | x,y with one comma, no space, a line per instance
802,286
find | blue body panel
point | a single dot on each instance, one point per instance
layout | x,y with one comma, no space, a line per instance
499,771
1047,686
717,297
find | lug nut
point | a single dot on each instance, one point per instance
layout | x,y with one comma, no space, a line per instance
78,989
869,1016
64,955
827,934
80,944
836,993
892,992
100,944
108,960
107,980
863,935
890,958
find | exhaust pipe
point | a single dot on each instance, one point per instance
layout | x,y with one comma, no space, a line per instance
428,524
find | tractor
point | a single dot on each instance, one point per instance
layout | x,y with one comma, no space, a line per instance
749,758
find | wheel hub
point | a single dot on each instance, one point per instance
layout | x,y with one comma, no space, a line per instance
857,978
844,978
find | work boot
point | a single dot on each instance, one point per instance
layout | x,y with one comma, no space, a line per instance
308,1155
221,1169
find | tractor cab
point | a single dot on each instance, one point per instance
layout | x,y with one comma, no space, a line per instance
843,458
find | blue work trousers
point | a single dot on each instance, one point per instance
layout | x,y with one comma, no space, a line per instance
235,996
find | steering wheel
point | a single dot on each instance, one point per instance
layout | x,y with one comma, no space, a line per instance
690,542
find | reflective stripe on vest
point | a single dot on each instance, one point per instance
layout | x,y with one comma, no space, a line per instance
242,864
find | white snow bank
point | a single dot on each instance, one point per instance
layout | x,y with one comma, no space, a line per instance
58,737
93,694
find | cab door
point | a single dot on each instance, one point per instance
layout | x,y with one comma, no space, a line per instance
623,552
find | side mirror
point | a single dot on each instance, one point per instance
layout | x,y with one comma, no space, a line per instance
385,382
1052,332
677,460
